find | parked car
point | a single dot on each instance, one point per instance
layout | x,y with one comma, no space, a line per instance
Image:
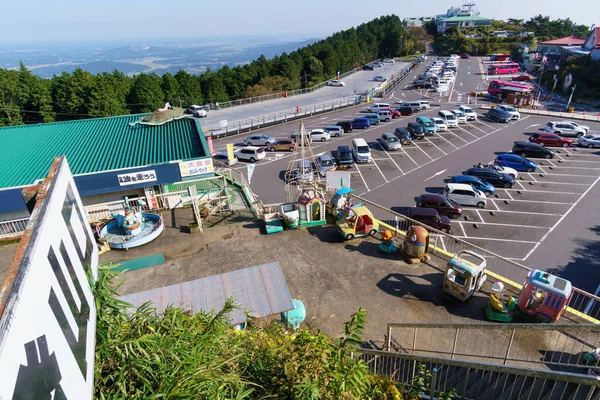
377,64
591,141
388,61
514,114
501,168
443,205
421,84
469,112
344,156
250,153
460,116
492,176
296,136
403,135
498,115
564,129
303,173
335,131
367,67
427,124
550,140
336,82
360,123
373,118
415,105
197,111
345,125
282,145
521,78
465,56
319,135
440,124
526,149
384,116
389,141
448,117
405,110
223,159
416,130
379,78
324,164
465,195
430,217
395,114
474,181
516,162
576,124
425,105
259,140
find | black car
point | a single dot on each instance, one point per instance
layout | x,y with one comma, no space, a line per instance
526,149
405,110
498,115
346,126
431,217
421,84
492,176
416,130
403,135
344,157
367,68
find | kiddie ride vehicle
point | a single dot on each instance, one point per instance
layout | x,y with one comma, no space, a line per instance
465,274
359,222
340,202
543,296
416,244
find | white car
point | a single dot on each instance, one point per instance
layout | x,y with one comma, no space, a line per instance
379,78
197,111
591,141
584,127
319,135
460,116
336,82
442,88
389,61
465,195
440,124
471,115
250,153
510,110
565,128
505,170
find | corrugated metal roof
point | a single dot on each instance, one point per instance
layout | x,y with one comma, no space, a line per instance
93,145
566,41
260,290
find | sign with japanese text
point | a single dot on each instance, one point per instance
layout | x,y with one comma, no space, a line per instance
335,180
137,177
210,146
230,155
48,316
151,197
196,167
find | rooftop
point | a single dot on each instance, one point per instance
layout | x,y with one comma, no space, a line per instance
465,18
93,145
565,41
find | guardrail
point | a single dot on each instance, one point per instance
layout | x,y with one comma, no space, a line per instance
523,345
583,306
473,380
13,228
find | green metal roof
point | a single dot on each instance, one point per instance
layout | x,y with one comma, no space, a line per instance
94,145
465,18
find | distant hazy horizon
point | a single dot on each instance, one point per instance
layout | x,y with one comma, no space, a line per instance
72,21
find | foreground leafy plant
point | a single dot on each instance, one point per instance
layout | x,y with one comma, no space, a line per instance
140,354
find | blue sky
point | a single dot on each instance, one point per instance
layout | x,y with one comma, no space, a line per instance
99,20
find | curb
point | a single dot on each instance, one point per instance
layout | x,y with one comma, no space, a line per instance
552,113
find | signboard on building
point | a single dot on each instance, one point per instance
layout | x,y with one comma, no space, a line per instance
335,180
223,123
151,198
196,167
210,145
137,177
47,311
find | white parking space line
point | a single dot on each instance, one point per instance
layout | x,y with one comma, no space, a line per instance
460,127
522,212
363,179
586,166
512,225
419,147
476,127
494,203
464,140
542,191
429,141
496,240
377,166
557,183
578,175
483,123
531,176
390,157
411,159
541,202
508,193
447,141
462,228
561,219
520,184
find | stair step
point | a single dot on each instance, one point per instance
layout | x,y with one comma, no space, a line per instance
482,380
537,389
496,389
517,386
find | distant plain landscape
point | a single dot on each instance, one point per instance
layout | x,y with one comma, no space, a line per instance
193,56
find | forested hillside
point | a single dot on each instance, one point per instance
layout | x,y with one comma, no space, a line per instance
26,98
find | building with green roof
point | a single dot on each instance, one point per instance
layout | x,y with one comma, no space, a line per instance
110,157
464,16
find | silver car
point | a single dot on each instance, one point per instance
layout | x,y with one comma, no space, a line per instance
335,82
591,141
390,142
564,128
259,140
510,110
324,164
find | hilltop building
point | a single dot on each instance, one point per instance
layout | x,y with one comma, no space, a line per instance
465,16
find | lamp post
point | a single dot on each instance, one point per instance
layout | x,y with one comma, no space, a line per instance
571,96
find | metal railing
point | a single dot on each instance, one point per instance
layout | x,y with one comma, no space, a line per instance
13,228
473,380
581,306
522,345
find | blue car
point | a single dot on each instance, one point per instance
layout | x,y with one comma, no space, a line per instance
516,162
474,181
360,123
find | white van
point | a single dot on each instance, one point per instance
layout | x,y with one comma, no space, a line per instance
377,106
385,116
424,104
361,151
450,118
465,195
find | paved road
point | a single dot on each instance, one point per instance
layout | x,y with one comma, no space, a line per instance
537,210
355,83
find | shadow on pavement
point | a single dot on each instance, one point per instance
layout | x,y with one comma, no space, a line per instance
326,234
434,189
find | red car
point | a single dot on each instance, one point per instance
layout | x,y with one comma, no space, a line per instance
395,114
525,78
550,140
465,56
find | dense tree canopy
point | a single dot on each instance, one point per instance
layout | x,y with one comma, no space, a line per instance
26,98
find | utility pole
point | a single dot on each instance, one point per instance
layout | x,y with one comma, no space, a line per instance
571,96
180,103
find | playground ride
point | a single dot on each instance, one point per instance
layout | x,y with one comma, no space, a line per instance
465,274
340,202
543,296
387,244
359,222
416,245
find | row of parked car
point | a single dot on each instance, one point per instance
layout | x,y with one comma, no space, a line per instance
439,76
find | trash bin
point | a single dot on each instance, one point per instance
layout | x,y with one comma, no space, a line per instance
571,109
